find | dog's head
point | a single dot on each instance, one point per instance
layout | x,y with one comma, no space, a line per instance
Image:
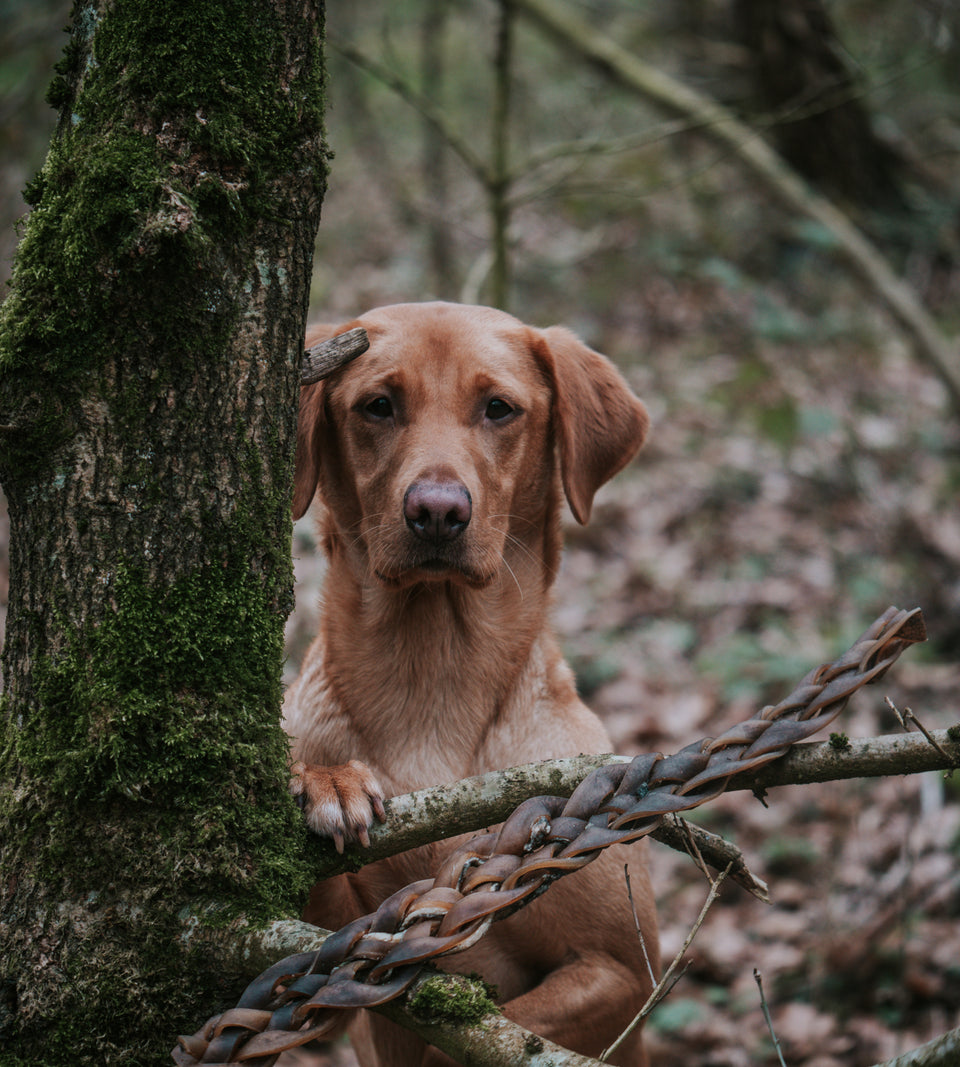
439,448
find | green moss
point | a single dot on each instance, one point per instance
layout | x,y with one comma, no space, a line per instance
839,742
451,997
167,704
157,776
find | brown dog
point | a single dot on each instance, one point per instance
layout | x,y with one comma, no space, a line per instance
439,458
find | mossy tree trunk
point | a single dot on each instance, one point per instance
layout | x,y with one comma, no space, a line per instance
149,372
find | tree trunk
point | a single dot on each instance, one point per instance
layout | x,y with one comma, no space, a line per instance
821,128
441,260
149,372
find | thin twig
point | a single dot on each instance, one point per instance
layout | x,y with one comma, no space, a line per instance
663,987
709,849
758,978
909,717
460,146
639,929
498,188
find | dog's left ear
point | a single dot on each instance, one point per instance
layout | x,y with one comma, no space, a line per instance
600,423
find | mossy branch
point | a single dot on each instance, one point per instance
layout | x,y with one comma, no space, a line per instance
745,145
450,1011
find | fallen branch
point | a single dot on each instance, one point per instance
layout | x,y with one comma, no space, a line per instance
436,814
746,145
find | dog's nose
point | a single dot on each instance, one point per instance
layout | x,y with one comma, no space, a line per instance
437,510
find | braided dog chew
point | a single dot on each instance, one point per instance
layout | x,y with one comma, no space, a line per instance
375,958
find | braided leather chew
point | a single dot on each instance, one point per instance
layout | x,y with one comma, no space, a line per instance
375,958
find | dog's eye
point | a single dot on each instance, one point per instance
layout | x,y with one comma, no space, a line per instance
498,409
380,407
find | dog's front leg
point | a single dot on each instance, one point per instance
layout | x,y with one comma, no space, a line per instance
340,802
585,1005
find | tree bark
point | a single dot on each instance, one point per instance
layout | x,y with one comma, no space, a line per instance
150,355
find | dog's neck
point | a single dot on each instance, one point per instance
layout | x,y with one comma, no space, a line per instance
422,655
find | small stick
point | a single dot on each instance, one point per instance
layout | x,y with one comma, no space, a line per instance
663,987
324,358
708,848
636,923
908,717
766,1014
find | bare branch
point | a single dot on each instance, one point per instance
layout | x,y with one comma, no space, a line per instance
758,978
868,757
474,803
710,848
430,114
324,358
908,717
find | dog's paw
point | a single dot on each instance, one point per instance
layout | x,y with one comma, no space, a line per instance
340,801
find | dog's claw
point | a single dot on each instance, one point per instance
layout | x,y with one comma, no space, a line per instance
339,802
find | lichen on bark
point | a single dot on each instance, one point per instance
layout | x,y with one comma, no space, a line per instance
149,357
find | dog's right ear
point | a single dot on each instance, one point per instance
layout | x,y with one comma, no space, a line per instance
306,471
